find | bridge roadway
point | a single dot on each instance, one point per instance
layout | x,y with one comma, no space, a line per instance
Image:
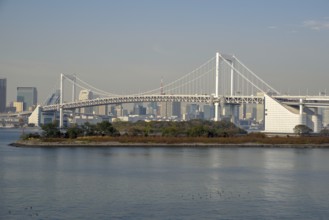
25,113
309,101
157,98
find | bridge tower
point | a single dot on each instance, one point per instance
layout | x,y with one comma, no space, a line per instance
217,88
61,101
222,104
72,78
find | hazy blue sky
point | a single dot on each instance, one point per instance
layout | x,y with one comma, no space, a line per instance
128,45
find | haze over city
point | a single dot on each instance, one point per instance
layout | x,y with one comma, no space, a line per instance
128,46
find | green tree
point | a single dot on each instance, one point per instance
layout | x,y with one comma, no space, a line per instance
197,131
51,130
324,132
74,131
147,130
106,128
88,129
171,131
302,129
133,131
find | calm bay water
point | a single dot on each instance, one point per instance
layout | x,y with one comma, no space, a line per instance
162,183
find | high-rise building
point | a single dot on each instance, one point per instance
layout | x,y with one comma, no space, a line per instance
152,108
176,109
325,117
19,106
29,96
100,109
208,112
169,109
119,111
86,95
165,109
139,109
192,111
260,110
3,94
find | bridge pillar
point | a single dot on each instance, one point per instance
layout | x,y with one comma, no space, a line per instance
316,121
301,106
216,111
232,78
61,102
217,87
301,109
233,113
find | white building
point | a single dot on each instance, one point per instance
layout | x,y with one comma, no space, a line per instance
35,116
38,117
281,118
86,95
92,119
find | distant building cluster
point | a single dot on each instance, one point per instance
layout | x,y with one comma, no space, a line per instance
26,99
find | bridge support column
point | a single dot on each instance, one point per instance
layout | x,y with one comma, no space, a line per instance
317,122
74,79
217,88
301,109
61,102
216,111
233,113
232,78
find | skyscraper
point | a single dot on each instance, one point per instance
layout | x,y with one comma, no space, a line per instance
27,95
3,94
86,95
208,112
176,109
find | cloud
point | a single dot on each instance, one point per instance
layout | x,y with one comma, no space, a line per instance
317,25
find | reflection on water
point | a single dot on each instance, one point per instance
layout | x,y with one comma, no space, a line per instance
162,183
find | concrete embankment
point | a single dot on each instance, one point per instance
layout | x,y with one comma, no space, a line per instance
137,144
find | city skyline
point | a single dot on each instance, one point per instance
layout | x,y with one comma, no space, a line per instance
106,43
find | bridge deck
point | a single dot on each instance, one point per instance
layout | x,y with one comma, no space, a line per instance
158,98
310,101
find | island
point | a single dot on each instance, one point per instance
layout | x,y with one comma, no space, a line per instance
193,133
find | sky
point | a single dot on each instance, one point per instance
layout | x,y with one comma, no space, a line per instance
127,45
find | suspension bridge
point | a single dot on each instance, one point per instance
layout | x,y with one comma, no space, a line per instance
221,81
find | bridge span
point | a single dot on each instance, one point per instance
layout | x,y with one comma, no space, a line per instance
207,99
309,101
223,81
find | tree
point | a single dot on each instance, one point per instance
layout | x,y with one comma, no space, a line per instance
324,132
133,131
88,129
302,129
171,131
147,130
74,131
51,130
106,128
197,131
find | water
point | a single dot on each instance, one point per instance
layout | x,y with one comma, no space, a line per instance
162,183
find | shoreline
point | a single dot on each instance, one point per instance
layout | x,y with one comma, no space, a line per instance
38,144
